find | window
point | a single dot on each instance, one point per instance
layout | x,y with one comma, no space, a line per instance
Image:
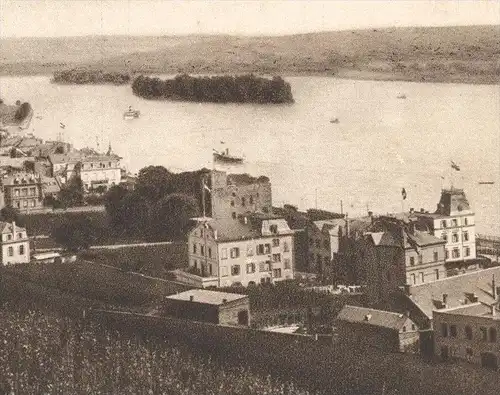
436,272
413,279
264,267
260,249
276,273
466,251
273,229
493,335
267,248
202,250
444,236
466,236
223,253
250,268
21,250
420,259
455,253
194,248
233,214
454,222
444,329
287,263
25,203
436,256
276,257
422,277
32,191
468,332
466,221
19,235
234,194
443,224
9,237
235,270
454,238
24,192
234,252
11,251
232,203
209,252
453,331
286,248
243,201
484,334
413,327
249,250
412,261
446,254
16,192
276,242
404,328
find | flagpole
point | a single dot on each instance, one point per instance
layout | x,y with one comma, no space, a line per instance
203,194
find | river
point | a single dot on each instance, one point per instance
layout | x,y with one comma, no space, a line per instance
380,145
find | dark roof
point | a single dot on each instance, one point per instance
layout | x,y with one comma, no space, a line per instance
392,239
6,227
452,201
429,296
230,229
206,297
380,318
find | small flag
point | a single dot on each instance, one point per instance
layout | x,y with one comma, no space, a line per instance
455,166
223,142
403,193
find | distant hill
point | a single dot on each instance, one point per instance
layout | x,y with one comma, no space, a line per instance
449,54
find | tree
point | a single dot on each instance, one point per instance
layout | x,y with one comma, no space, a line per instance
76,233
10,214
153,182
72,193
113,202
172,216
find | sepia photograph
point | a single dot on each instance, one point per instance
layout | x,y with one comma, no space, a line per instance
250,197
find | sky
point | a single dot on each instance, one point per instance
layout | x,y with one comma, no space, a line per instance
22,18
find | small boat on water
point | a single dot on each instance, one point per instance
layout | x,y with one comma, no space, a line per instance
226,158
131,114
486,182
402,96
334,120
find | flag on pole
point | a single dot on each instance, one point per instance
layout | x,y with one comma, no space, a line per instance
454,166
403,193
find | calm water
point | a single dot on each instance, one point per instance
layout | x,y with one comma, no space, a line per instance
380,145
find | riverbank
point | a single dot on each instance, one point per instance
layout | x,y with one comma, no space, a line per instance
345,74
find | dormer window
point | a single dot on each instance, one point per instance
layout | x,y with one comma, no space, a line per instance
273,229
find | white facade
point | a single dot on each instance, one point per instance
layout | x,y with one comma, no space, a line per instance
264,258
15,244
459,232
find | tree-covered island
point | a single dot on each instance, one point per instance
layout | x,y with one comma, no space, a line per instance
84,76
216,89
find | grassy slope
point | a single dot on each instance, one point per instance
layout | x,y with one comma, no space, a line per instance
466,54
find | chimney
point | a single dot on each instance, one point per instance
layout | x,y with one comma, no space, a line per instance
445,299
191,298
422,210
412,210
224,300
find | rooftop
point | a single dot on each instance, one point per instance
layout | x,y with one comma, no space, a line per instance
206,297
246,179
6,227
380,318
453,201
459,290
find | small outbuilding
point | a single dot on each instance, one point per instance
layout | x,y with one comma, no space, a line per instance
209,306
387,330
